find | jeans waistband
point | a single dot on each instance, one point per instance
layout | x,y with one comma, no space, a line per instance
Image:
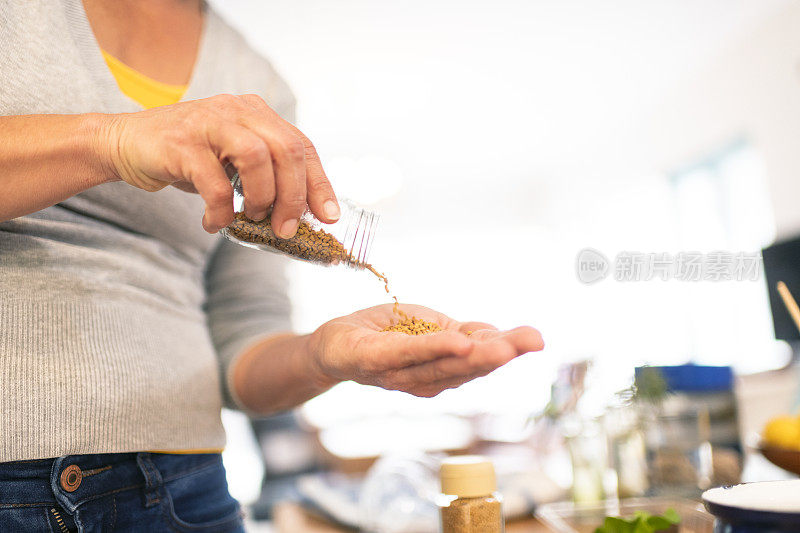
39,482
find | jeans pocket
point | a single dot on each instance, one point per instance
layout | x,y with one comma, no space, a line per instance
200,501
27,519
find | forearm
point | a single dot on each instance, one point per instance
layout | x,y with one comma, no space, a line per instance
277,374
45,159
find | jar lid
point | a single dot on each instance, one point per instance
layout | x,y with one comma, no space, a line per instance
467,476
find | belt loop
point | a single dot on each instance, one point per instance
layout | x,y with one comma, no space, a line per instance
152,479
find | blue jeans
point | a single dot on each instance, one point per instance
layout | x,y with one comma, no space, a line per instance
118,492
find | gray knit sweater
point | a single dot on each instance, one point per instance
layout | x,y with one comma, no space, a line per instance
119,316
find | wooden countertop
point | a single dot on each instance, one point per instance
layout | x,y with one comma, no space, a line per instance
291,518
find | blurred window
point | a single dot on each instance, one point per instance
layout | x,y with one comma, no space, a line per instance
722,204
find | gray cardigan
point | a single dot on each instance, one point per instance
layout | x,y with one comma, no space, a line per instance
119,316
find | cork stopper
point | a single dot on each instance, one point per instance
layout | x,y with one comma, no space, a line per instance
467,476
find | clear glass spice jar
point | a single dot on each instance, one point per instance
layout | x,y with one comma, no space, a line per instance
469,502
348,241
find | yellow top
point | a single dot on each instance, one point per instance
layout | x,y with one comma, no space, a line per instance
142,89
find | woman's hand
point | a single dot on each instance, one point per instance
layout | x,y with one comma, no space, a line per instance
282,371
185,145
355,348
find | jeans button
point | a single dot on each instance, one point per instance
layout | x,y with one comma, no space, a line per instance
71,478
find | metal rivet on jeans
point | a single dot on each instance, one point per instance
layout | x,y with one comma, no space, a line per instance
71,478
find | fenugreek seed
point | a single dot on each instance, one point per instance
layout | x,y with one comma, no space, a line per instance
469,515
414,326
319,246
309,244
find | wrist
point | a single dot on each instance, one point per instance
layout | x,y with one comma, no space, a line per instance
104,135
320,374
278,372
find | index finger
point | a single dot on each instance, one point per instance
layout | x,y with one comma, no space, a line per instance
468,328
321,198
524,338
319,193
493,350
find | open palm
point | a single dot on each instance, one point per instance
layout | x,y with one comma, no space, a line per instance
354,347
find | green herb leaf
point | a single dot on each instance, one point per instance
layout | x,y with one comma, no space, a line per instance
657,523
641,522
672,515
614,524
641,526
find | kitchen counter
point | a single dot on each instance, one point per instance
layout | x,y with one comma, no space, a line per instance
291,518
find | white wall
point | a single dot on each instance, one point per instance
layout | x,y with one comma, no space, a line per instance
751,89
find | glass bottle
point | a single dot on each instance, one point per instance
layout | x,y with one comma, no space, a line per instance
469,501
348,241
626,448
586,444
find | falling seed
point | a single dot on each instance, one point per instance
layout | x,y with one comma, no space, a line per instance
319,246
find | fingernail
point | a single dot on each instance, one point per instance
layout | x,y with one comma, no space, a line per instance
289,228
331,209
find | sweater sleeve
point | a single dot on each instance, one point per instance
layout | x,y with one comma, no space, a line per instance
246,301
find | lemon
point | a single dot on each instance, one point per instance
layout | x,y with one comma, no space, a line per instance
784,432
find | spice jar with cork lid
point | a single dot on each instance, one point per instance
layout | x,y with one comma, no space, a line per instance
469,502
345,242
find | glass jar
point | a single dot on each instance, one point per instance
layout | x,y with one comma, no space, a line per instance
398,494
348,241
469,501
679,453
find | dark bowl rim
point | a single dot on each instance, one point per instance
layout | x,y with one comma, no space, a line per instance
738,515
